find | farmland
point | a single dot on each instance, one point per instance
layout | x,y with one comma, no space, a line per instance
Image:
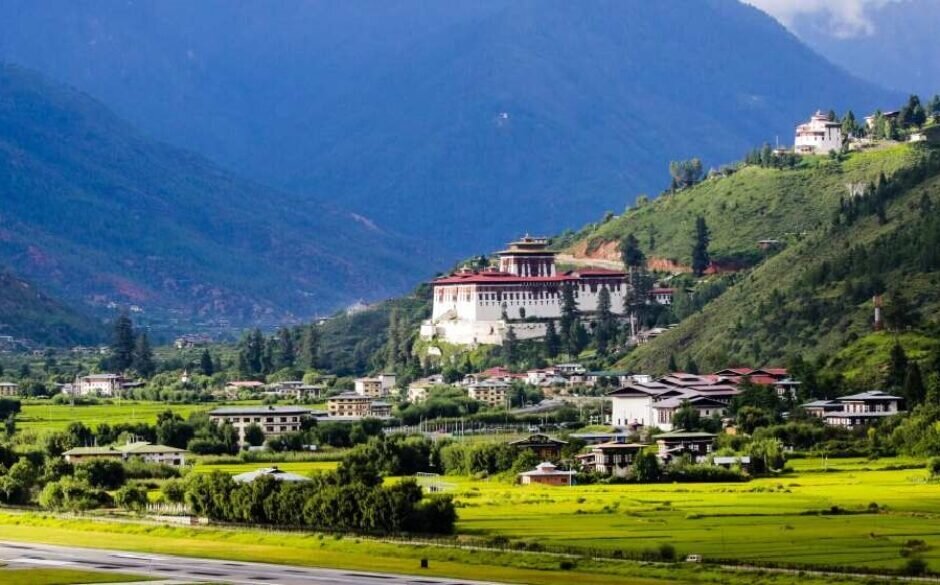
299,467
855,514
62,577
43,415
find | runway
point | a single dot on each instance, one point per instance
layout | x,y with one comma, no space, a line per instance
196,570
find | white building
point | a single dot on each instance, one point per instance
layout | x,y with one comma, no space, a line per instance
818,136
9,389
375,387
97,385
524,293
273,420
856,410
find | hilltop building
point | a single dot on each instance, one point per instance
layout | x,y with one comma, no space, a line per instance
818,136
523,293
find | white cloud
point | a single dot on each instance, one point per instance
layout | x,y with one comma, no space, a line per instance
845,18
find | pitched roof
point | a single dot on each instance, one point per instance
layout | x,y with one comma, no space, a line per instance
270,472
259,410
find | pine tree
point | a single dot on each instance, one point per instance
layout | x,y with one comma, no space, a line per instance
267,357
604,328
897,367
849,125
691,367
508,350
630,252
914,391
700,255
122,345
310,347
251,353
143,356
672,366
552,342
206,367
287,354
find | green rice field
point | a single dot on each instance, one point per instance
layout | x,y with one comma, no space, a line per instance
62,577
38,415
298,467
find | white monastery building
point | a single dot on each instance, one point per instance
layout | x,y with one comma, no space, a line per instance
524,292
818,136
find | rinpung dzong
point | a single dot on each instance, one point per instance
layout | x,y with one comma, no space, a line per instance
524,293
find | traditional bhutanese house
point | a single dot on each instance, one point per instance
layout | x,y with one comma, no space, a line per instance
273,472
546,473
706,406
677,444
863,409
820,408
545,447
380,409
611,458
147,452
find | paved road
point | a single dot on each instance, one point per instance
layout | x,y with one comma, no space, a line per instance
200,570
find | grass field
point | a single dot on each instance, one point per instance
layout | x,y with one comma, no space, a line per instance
299,467
41,416
62,577
782,520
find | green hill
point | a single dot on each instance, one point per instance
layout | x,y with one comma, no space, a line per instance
27,313
814,297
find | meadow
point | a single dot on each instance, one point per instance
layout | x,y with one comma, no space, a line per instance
63,577
43,415
846,513
298,467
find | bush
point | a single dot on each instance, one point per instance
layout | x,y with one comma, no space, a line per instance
101,473
667,552
72,495
915,567
131,497
933,467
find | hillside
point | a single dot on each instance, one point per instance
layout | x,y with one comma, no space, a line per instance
812,298
95,212
461,123
27,313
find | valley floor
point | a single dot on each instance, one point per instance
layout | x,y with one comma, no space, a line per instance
849,515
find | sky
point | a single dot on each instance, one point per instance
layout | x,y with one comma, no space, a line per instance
847,18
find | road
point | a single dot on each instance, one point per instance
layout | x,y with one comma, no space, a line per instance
196,570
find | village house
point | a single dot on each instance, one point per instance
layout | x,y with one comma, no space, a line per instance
611,458
273,420
348,404
494,393
818,136
147,452
380,409
272,472
96,385
296,390
546,473
855,410
8,389
418,390
545,447
375,387
662,295
705,406
696,445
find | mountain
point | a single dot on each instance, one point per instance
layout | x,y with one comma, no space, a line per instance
897,48
97,213
813,297
27,313
461,122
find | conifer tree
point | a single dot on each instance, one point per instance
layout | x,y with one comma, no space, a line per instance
914,391
310,347
552,342
604,328
672,366
122,345
691,367
286,353
206,367
509,347
700,256
143,356
897,367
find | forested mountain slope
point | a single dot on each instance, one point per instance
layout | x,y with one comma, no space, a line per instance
461,122
94,212
27,313
814,297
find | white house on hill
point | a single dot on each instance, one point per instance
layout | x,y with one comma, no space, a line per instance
818,136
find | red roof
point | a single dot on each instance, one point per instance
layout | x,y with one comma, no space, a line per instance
498,277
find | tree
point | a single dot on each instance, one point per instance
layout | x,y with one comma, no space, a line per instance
766,455
286,353
254,436
700,256
686,417
122,343
672,366
509,346
552,342
691,367
570,319
933,108
685,173
897,367
914,390
604,327
630,252
849,124
206,367
310,347
143,356
646,468
131,497
898,312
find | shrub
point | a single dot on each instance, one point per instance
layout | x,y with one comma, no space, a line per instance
667,552
101,473
131,497
915,567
